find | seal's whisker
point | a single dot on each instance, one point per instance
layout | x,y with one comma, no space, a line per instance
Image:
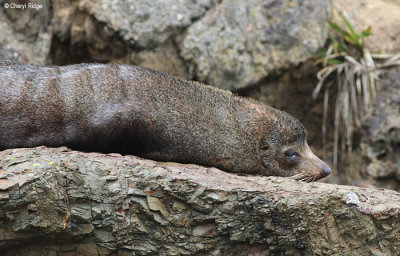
297,176
305,179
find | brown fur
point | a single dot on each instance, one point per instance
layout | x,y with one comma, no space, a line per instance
133,110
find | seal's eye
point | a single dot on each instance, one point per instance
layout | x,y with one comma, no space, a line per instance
292,156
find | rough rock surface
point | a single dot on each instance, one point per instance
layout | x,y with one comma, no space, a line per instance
55,201
25,38
240,42
146,23
381,140
229,44
383,17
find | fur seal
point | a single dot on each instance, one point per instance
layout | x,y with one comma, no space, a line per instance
134,110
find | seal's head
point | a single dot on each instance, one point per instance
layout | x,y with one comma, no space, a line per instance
284,150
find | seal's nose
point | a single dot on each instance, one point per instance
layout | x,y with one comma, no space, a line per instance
326,171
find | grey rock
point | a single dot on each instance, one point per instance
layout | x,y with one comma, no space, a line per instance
229,44
40,216
240,42
146,23
164,57
25,35
381,130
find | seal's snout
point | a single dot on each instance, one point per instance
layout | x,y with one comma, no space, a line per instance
313,166
325,171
